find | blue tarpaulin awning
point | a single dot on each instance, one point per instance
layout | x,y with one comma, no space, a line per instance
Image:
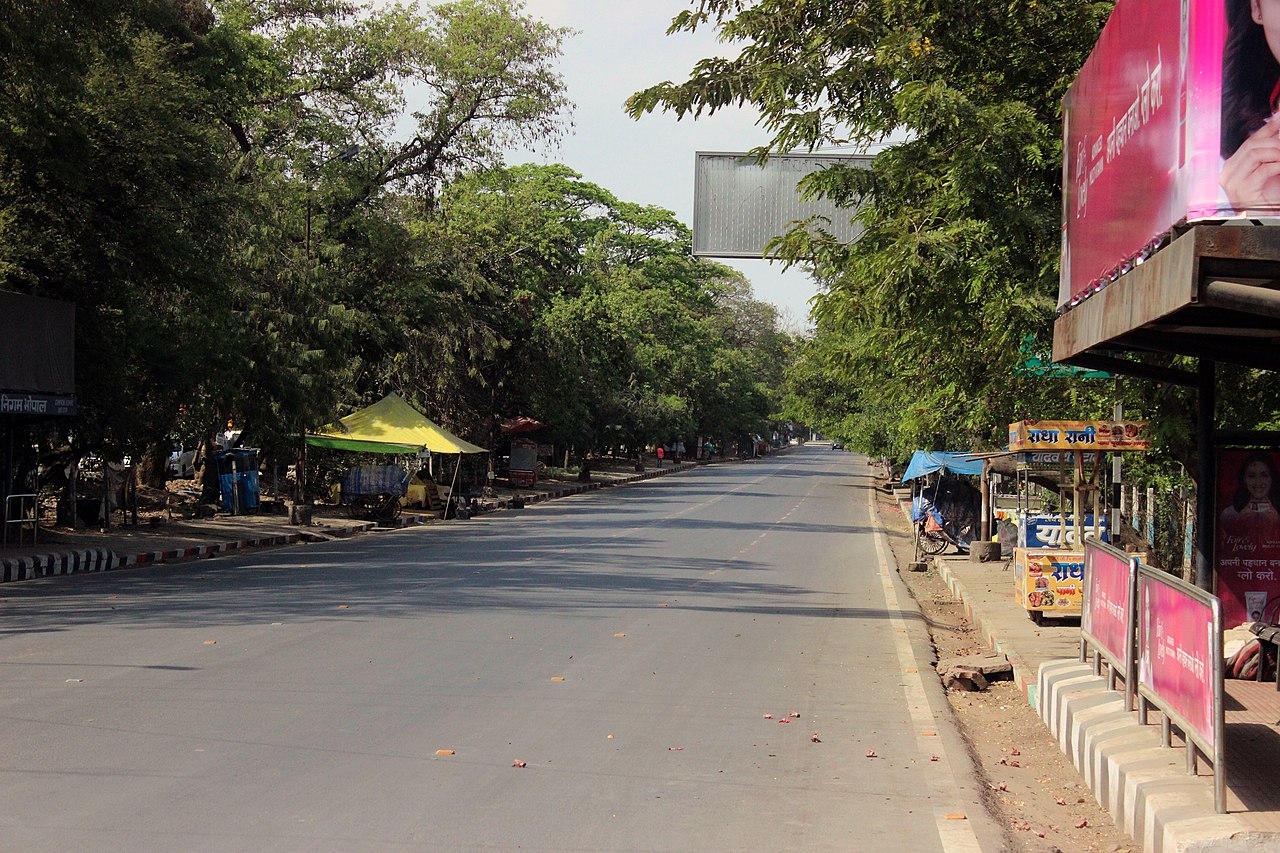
927,461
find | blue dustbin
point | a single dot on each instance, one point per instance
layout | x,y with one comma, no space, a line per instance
238,485
246,474
224,464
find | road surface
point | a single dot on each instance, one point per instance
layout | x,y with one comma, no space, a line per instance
376,694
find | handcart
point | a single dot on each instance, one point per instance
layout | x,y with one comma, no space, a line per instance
373,492
1064,457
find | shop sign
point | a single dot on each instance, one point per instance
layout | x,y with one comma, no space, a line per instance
1047,531
1050,581
1078,435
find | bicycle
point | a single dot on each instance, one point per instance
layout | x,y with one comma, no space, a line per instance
931,539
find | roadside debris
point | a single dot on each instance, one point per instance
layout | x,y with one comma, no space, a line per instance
518,763
974,672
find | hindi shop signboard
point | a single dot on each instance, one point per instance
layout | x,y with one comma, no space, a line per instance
1078,435
1166,124
1177,639
1247,540
1108,601
1051,581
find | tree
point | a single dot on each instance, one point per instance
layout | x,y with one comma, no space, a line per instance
960,211
113,195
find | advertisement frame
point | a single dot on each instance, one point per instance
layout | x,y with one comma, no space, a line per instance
1126,661
1160,693
1246,536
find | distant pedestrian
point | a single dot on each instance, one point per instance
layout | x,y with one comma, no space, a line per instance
660,455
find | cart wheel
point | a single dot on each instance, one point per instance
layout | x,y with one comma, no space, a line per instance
932,542
357,509
389,508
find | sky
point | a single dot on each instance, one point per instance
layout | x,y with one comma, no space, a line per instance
621,47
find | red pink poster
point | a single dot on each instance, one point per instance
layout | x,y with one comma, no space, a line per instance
1247,542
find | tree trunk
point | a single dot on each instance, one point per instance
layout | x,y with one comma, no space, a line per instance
207,473
153,468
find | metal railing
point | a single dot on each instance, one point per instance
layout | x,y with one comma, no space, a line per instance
1164,636
21,520
1157,685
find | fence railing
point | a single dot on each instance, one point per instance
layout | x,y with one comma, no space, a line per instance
1180,668
20,519
1107,617
1165,637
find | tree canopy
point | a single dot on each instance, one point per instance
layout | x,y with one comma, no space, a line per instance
921,322
254,227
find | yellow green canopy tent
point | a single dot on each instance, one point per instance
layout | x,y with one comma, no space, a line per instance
390,426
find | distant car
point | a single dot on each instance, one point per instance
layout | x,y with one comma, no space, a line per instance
180,462
835,445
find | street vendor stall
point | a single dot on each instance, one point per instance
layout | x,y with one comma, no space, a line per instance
944,510
393,426
1048,560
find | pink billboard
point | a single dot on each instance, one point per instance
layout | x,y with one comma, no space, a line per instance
1107,608
1168,122
1176,641
1247,536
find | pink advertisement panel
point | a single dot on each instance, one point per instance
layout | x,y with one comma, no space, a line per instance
1247,536
1175,641
1169,121
1106,612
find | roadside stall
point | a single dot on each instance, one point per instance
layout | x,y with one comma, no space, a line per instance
945,510
391,426
1048,560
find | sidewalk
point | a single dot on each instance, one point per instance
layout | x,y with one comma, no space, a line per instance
1144,785
63,551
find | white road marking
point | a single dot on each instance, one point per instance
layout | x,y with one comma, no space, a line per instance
957,835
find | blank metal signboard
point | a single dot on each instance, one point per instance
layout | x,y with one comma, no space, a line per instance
739,205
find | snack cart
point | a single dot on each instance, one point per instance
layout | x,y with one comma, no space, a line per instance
1048,561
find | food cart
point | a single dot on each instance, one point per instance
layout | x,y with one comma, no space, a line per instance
1048,561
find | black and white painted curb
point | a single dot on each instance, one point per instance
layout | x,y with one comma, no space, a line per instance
105,559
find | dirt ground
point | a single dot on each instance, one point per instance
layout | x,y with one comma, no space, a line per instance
1033,790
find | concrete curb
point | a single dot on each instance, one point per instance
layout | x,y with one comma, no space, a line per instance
1142,784
105,559
31,567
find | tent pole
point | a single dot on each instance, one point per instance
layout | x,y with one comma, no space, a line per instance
453,488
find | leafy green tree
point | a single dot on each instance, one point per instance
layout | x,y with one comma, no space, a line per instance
113,195
957,262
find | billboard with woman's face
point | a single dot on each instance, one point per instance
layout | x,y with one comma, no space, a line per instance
1169,122
1247,546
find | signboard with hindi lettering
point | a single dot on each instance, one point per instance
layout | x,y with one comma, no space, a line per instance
1164,125
1078,435
1179,645
1049,581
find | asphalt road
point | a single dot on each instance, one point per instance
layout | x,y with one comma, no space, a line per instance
375,694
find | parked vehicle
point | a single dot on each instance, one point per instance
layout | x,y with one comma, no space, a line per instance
181,462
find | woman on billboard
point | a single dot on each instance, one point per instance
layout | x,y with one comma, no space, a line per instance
1250,175
1254,511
